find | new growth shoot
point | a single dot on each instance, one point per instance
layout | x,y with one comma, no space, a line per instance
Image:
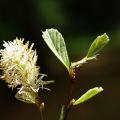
19,69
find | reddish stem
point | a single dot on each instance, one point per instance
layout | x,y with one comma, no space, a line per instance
68,105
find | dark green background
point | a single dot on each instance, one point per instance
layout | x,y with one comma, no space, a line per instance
80,22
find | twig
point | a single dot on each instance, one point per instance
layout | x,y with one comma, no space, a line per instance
70,94
70,98
40,104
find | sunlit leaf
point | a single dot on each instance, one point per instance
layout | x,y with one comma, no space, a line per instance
56,43
97,45
89,94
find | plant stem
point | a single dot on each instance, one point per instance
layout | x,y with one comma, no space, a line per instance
68,105
41,113
40,105
71,91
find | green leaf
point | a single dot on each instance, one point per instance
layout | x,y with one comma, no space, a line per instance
56,43
97,45
89,94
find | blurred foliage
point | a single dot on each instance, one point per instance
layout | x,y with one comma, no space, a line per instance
50,12
80,21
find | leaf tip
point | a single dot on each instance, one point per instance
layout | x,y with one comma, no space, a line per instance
105,36
98,44
100,89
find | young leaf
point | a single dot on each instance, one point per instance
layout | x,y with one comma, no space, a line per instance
56,43
89,94
97,45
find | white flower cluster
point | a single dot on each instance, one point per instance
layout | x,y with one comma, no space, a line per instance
18,63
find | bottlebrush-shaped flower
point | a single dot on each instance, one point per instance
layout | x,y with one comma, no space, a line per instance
18,63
